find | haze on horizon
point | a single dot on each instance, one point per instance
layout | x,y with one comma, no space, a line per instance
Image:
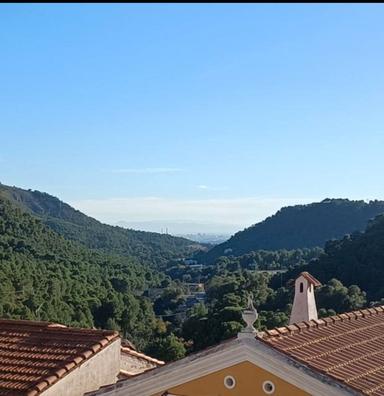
214,115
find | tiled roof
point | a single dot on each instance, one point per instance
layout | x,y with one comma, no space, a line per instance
348,348
140,355
34,355
310,278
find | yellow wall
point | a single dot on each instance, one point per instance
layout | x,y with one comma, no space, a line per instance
249,380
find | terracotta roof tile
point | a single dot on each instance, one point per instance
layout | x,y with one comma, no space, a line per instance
140,355
34,355
349,348
310,278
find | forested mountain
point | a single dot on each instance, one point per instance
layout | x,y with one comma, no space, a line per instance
300,226
149,247
355,259
43,276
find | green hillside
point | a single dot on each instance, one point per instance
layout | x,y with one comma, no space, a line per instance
300,226
149,247
355,259
43,276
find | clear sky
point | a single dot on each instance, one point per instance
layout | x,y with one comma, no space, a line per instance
192,113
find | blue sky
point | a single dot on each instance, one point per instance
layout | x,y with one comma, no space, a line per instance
216,114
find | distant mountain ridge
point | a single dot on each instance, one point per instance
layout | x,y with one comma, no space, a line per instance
300,226
149,247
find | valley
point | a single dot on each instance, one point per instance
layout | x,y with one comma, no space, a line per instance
170,295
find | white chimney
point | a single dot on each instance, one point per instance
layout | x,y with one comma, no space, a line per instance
304,304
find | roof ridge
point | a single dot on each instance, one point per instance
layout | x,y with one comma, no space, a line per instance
315,323
310,278
54,327
142,355
36,323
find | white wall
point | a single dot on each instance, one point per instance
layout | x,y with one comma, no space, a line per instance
304,304
101,369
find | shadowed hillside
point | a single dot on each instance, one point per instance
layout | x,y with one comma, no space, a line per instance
45,277
300,226
355,259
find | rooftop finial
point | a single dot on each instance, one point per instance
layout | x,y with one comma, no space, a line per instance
249,316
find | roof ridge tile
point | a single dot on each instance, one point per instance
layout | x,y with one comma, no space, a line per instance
293,328
365,312
141,355
51,379
310,278
96,347
282,330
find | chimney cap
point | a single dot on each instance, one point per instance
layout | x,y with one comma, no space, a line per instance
311,279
